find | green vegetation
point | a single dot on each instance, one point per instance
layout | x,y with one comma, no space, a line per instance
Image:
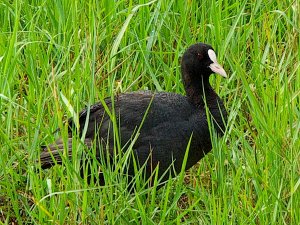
56,57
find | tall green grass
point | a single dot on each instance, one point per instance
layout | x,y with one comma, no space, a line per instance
56,57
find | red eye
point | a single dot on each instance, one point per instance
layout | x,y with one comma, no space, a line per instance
199,56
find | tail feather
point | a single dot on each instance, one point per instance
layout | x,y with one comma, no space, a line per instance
53,153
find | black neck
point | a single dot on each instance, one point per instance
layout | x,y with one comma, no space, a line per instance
198,90
201,94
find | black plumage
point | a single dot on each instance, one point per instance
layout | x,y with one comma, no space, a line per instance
170,119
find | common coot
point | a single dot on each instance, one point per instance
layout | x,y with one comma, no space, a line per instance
165,121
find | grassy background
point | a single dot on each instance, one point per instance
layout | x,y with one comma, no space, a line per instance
58,56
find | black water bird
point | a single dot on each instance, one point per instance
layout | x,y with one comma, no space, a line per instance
169,120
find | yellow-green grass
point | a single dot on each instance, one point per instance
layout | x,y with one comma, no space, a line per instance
56,57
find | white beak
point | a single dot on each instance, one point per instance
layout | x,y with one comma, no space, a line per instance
217,68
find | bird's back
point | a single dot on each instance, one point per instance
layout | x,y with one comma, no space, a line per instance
163,123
